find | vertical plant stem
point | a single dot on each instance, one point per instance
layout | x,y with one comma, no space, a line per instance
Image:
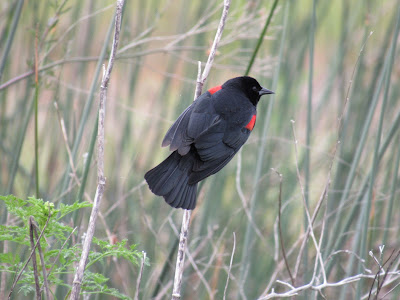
389,211
34,263
180,259
36,114
230,265
245,260
261,38
140,275
11,35
357,156
76,285
88,160
18,276
17,146
307,162
88,105
164,270
368,205
45,282
341,133
213,51
339,242
201,78
280,228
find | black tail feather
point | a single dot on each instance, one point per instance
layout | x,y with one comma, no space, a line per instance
170,180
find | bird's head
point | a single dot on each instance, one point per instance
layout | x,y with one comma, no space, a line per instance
249,86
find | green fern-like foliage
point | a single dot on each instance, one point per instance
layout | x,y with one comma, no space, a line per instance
60,253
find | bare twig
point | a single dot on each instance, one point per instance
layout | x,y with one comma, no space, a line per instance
76,285
239,31
391,290
59,252
200,274
394,276
337,144
295,291
294,248
164,291
180,259
29,258
230,265
361,260
34,263
195,253
314,216
176,291
45,281
124,197
310,222
339,132
381,271
242,197
60,40
76,179
196,27
140,276
388,269
280,228
65,138
52,22
214,47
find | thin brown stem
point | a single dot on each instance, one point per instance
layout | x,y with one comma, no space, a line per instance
180,259
334,157
280,227
140,276
29,258
34,263
59,252
76,285
39,247
230,265
310,222
176,291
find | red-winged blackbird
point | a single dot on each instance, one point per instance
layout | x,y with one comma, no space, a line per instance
205,138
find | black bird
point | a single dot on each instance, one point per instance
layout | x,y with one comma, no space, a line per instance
205,138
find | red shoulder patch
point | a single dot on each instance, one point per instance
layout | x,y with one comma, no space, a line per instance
215,89
251,124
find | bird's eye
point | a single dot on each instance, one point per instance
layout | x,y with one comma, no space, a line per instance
255,89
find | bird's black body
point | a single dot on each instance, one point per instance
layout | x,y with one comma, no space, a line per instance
205,138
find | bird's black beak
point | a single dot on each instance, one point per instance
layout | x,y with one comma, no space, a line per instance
264,91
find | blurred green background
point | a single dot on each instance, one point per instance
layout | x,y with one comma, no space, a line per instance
311,57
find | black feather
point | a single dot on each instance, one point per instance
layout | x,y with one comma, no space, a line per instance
204,138
170,180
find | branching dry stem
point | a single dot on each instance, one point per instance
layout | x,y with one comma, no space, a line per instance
201,78
30,256
230,265
76,285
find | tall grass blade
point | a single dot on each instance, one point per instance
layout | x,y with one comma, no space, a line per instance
11,35
88,104
249,235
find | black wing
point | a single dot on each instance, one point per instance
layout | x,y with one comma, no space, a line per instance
203,130
176,136
199,116
216,147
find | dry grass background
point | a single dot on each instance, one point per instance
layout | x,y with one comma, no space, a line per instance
153,81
